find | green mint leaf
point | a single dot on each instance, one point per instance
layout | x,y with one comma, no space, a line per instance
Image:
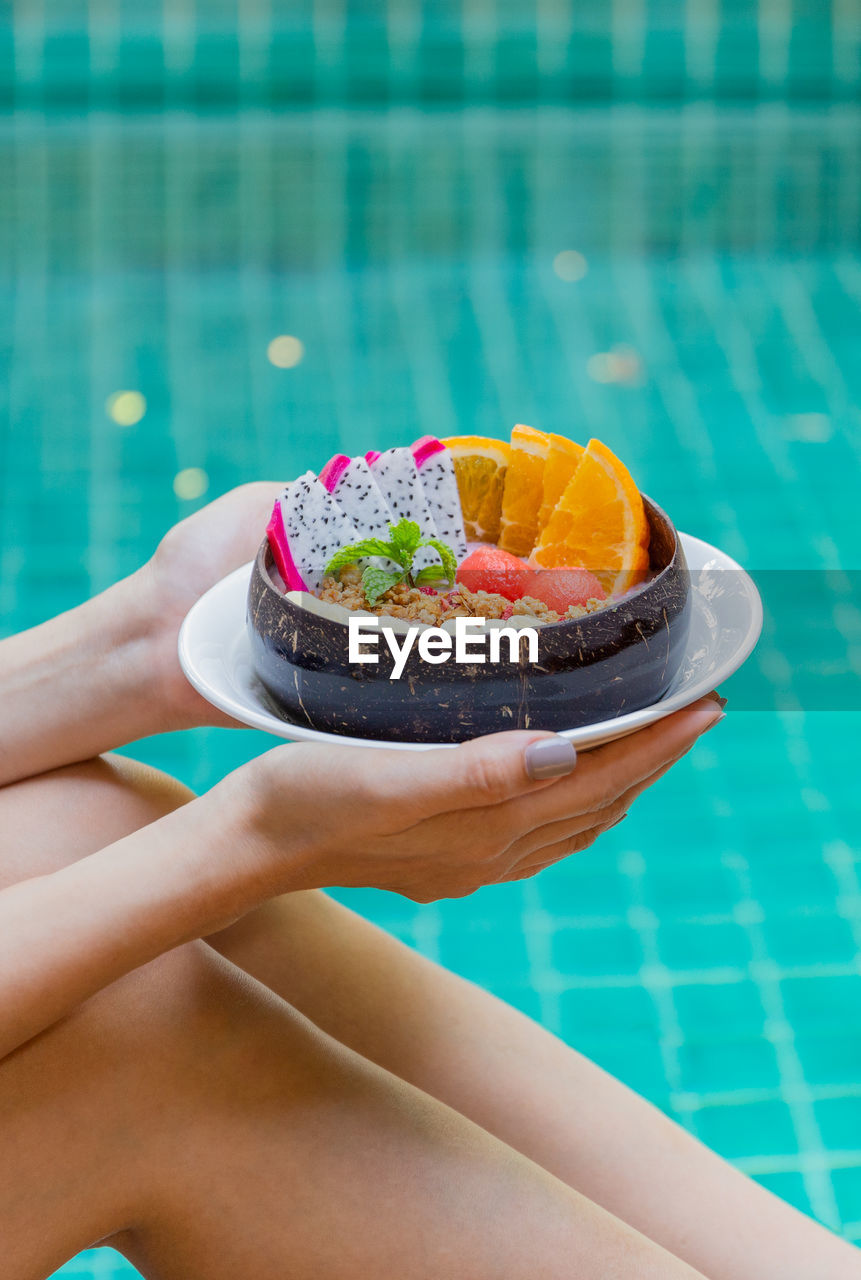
433,573
406,538
446,555
358,551
376,582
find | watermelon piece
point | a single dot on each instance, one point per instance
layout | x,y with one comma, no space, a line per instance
560,588
489,568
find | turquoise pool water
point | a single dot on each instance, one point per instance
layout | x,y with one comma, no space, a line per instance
707,950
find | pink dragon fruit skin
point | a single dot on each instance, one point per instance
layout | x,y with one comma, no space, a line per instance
439,483
351,484
424,448
313,528
333,470
277,536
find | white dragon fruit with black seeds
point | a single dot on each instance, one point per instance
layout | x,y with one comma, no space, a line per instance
351,484
395,473
398,480
307,527
439,483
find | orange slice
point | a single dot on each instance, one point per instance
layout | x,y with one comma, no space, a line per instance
599,523
480,465
562,462
524,489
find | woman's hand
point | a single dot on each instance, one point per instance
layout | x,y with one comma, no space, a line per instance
442,823
429,825
191,558
107,672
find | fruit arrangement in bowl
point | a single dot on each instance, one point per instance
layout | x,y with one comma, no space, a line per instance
449,588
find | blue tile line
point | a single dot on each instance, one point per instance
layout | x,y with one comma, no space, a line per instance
331,52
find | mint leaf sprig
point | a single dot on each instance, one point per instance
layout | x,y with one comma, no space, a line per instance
405,540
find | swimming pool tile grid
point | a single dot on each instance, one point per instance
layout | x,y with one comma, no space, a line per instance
213,186
750,1072
322,50
218,451
693,987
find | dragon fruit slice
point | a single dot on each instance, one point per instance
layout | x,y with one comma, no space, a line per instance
277,535
396,475
306,529
436,473
357,493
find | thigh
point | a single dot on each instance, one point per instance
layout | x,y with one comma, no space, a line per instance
522,1084
83,1109
191,1115
195,1120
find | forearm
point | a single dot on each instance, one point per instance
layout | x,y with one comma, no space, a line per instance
81,684
65,936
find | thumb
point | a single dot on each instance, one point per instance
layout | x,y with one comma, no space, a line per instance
489,770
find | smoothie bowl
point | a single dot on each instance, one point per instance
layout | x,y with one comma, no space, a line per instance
453,588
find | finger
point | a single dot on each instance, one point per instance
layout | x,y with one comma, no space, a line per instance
533,842
675,734
521,827
501,861
257,496
569,844
247,509
554,853
480,774
454,787
559,841
605,772
406,787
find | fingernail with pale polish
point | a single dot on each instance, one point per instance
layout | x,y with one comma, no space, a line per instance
722,716
550,758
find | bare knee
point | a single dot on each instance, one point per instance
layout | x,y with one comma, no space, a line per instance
200,1057
188,1027
94,1111
55,818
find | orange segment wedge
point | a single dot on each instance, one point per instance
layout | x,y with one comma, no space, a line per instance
524,489
562,461
599,523
480,466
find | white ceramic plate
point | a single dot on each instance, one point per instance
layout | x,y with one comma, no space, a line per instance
725,625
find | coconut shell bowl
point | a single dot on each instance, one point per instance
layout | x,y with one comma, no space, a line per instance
592,668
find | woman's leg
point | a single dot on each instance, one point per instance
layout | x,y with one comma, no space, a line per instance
504,1072
190,1116
522,1084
